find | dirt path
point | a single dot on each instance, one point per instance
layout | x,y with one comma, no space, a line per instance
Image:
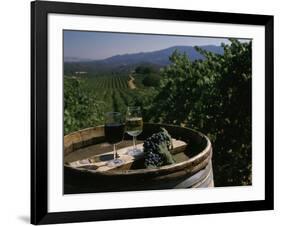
131,83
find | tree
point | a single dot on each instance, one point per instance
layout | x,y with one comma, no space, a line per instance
151,80
212,96
145,69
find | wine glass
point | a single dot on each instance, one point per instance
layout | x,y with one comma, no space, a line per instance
114,129
134,126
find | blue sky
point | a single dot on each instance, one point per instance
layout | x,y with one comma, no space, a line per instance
100,45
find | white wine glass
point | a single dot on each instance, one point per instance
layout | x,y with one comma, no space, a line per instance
134,127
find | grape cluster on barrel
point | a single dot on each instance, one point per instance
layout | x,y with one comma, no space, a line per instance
156,149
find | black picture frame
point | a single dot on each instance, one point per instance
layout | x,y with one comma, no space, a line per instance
39,112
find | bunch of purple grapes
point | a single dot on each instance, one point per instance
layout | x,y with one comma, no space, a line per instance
152,145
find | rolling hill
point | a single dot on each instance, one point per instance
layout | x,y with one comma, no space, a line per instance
127,62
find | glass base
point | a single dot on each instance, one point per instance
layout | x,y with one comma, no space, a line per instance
134,152
114,162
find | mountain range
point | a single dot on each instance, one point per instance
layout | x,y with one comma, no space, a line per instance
127,62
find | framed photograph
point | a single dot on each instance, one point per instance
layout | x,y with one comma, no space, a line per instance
146,112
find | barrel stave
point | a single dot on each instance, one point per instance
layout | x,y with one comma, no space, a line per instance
195,171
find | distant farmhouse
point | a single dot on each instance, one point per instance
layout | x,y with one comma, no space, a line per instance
81,72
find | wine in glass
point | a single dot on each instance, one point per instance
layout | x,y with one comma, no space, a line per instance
134,126
114,131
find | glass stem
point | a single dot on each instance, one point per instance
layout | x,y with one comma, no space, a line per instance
114,151
134,142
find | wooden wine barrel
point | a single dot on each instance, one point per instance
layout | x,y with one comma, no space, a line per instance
193,167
